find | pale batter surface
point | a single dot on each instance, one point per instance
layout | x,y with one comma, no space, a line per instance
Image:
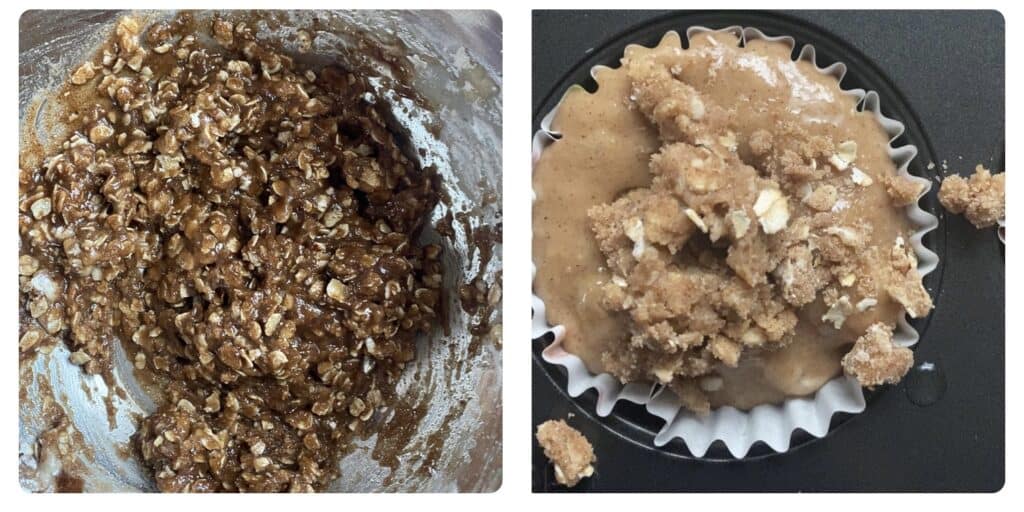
723,221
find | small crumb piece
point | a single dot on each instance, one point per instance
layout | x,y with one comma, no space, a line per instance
566,448
981,197
726,350
904,190
822,198
875,359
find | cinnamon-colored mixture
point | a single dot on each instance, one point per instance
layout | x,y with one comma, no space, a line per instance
747,223
244,227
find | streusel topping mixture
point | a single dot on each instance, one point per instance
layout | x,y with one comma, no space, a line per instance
244,227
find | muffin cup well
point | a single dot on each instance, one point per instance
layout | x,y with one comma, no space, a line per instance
772,424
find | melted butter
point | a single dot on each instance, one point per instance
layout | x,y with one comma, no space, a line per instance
603,152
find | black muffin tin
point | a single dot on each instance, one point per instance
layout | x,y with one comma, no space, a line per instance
942,74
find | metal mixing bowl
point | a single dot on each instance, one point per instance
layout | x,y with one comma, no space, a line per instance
456,379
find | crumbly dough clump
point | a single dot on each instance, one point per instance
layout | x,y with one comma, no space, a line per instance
734,236
904,190
876,360
980,197
566,448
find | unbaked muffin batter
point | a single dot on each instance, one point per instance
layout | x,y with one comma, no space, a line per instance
723,221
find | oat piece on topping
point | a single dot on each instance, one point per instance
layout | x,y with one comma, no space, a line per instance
981,197
566,448
875,360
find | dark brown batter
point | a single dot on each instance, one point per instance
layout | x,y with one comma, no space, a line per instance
245,228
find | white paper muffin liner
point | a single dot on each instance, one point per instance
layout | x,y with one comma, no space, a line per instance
772,424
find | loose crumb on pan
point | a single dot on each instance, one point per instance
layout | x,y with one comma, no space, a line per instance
981,197
569,451
876,360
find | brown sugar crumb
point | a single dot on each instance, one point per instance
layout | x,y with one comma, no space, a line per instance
625,227
822,198
876,360
905,285
911,294
981,197
726,350
904,190
566,448
760,142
